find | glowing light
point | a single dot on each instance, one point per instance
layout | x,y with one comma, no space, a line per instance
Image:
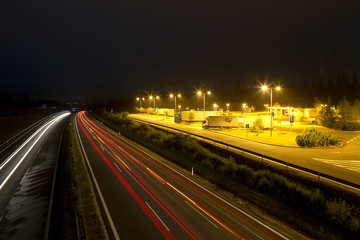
46,126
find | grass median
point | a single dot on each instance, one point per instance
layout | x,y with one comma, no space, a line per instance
76,212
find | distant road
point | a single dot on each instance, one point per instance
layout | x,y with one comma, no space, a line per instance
145,197
342,163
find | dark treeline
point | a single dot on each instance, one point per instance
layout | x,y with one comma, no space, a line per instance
299,95
25,106
304,94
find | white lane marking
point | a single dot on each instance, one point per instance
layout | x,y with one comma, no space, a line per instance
112,225
353,165
157,216
201,214
102,148
31,147
22,145
117,167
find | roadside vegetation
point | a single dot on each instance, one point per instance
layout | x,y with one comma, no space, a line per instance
329,213
312,138
258,126
76,214
345,116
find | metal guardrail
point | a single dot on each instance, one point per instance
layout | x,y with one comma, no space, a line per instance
262,156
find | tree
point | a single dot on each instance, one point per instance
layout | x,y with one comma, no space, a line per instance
258,126
229,119
191,115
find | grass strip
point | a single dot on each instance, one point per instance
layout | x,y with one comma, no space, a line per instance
76,212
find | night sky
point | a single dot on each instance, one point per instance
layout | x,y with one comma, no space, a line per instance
93,50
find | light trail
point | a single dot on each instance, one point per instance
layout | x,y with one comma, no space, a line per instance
97,130
140,202
129,162
104,139
45,127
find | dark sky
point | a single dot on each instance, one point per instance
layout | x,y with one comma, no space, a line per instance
92,50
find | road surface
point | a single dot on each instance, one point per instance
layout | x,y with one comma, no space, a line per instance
145,198
26,181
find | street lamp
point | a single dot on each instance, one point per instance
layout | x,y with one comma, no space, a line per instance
227,106
174,96
140,99
215,106
199,93
151,98
244,106
265,88
179,108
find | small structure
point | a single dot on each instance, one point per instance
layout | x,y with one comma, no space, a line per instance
298,113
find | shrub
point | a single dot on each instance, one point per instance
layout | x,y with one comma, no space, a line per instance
338,211
191,115
311,138
258,126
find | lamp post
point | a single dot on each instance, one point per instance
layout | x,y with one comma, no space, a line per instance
151,98
179,108
215,106
227,106
265,88
244,106
140,99
199,93
174,96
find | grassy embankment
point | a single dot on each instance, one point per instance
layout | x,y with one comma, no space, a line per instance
321,211
76,214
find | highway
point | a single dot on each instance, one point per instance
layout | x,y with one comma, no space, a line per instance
143,197
26,176
342,163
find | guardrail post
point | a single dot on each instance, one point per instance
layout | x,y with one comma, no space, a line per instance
287,167
262,159
319,177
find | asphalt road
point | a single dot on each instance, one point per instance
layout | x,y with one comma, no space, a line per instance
26,176
143,197
340,162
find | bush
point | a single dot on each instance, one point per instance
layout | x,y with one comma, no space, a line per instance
258,126
312,137
339,211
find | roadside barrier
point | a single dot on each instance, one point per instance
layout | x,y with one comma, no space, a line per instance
243,151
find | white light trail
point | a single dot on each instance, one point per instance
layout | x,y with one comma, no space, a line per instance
46,126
